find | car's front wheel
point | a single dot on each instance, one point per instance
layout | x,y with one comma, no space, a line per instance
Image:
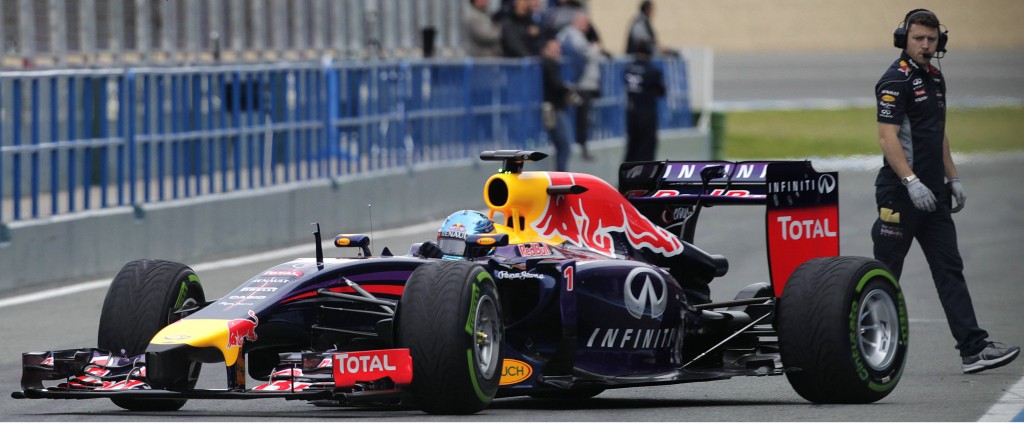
450,319
144,298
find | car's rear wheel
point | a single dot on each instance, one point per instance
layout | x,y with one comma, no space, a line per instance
450,319
842,325
142,299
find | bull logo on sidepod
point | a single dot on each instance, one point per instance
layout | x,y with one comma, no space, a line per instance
240,330
588,219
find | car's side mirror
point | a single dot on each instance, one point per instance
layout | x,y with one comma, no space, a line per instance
485,241
361,241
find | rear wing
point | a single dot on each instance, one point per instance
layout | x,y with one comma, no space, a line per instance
802,205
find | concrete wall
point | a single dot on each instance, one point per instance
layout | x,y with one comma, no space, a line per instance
809,25
87,245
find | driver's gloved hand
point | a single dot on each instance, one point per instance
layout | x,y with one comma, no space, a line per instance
430,249
922,197
957,189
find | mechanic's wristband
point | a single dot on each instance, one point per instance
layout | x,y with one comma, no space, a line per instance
906,181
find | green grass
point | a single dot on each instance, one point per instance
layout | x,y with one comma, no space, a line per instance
847,132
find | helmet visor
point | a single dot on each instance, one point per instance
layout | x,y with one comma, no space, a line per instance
452,246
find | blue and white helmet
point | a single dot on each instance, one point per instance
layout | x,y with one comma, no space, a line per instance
451,238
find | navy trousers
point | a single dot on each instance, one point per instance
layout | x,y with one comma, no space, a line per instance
897,225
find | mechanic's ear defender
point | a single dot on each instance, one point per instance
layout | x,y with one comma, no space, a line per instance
899,36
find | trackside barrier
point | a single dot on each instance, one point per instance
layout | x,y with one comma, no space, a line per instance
83,140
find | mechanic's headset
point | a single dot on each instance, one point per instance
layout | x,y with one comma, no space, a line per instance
899,36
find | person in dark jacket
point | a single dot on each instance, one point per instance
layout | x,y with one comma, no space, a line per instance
520,35
644,86
918,180
556,102
641,31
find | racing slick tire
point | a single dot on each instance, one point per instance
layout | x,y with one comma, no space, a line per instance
450,319
143,299
842,328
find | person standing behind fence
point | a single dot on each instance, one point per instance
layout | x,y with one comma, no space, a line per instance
537,11
581,58
520,36
556,99
641,31
482,35
644,85
561,15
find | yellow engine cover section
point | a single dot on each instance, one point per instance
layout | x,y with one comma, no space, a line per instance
586,220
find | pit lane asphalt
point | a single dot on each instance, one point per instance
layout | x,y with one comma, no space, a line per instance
991,229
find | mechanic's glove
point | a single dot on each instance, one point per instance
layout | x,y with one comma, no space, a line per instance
430,249
922,197
958,193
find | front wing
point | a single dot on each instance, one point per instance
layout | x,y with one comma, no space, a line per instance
348,377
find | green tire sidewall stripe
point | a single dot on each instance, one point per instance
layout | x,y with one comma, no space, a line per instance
183,292
876,273
469,329
900,309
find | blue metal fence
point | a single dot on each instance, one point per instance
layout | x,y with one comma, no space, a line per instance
89,139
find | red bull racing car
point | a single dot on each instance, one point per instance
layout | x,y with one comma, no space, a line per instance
567,288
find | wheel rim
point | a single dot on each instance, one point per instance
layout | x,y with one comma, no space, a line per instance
878,329
487,343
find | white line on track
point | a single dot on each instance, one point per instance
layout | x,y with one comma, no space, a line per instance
300,250
1009,408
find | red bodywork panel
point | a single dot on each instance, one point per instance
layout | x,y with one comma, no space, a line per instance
371,365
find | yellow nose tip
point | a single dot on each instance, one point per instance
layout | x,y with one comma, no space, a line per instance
199,333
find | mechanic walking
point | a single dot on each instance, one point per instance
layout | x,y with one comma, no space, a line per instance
644,85
913,199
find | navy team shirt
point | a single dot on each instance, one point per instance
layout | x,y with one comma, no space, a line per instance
915,99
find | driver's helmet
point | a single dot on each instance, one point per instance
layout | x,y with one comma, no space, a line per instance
451,238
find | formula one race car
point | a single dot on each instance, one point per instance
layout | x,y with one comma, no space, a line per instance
567,287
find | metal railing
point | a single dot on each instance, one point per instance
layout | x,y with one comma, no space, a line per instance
83,140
